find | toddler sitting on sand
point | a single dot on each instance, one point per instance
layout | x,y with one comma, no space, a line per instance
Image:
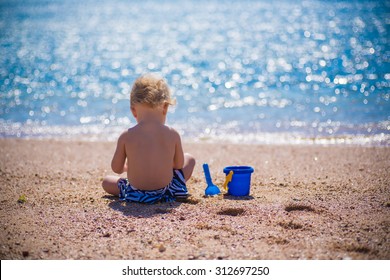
151,153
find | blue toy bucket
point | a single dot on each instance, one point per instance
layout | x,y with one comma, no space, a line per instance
241,180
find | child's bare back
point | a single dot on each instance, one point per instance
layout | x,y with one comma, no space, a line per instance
150,153
153,150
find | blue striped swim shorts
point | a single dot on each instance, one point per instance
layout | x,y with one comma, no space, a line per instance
176,189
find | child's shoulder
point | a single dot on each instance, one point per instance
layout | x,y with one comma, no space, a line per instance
137,134
137,129
172,130
128,133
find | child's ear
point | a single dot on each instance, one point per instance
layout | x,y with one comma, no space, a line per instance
165,108
133,111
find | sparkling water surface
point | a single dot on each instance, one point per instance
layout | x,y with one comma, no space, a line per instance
246,71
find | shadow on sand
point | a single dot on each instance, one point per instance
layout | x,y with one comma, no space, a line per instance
141,210
232,197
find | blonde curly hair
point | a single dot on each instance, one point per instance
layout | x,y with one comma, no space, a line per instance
150,90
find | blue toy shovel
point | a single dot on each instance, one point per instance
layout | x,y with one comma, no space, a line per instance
211,188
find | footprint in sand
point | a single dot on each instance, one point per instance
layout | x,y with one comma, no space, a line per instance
231,211
299,207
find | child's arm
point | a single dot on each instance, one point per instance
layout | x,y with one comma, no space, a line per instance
178,159
118,163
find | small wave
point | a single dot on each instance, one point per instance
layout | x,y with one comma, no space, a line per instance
110,133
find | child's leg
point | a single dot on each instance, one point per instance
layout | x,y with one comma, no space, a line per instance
110,184
189,164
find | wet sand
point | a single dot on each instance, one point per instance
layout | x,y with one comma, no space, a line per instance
306,202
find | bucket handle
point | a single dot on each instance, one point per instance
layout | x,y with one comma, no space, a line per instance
227,180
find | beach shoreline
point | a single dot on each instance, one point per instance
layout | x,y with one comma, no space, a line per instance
103,133
306,202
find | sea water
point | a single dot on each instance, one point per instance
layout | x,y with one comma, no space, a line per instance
241,71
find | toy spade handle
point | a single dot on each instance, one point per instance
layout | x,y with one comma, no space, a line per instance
207,174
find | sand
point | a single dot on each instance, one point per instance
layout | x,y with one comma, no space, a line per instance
306,202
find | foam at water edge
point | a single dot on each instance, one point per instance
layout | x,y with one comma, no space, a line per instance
100,132
300,139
